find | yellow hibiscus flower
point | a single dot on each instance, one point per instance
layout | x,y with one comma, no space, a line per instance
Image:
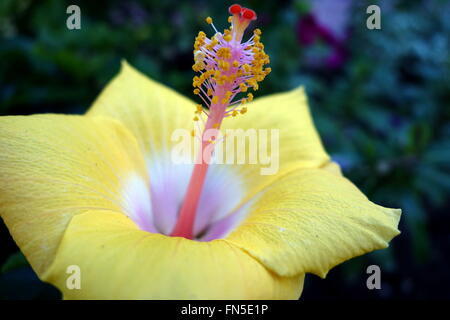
100,191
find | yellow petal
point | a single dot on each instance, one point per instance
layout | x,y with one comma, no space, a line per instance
116,260
299,145
311,220
53,167
288,112
151,111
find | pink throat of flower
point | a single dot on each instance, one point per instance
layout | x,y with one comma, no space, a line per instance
227,68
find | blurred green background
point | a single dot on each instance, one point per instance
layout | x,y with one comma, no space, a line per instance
380,100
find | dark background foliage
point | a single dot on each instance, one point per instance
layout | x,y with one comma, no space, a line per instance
380,100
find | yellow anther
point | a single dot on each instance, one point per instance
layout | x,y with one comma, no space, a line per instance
209,92
243,110
196,91
215,100
216,125
211,45
199,108
195,118
193,133
232,77
243,87
224,100
235,63
234,114
246,68
243,101
199,56
250,97
224,52
257,32
228,94
209,20
227,37
198,66
225,65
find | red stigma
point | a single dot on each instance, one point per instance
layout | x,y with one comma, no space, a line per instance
249,14
234,9
245,13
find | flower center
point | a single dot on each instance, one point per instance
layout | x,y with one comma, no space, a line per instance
228,67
